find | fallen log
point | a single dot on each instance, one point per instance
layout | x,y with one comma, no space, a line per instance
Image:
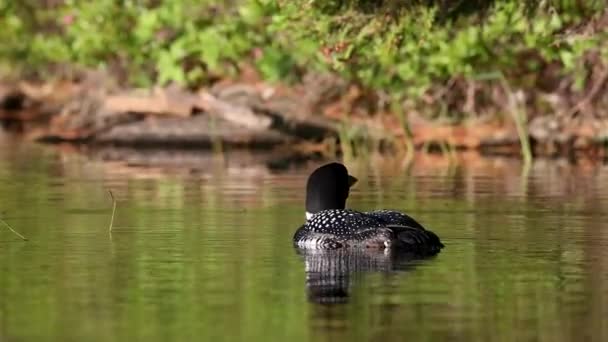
197,131
236,114
160,101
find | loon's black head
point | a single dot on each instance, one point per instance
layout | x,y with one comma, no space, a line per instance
327,188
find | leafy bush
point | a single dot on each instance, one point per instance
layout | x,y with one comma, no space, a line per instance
399,47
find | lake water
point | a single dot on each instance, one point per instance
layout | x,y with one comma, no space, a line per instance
201,250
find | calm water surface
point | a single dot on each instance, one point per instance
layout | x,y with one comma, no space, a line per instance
201,250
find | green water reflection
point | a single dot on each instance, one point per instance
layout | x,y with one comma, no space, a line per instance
204,252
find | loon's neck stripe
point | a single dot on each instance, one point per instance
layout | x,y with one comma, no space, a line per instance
309,215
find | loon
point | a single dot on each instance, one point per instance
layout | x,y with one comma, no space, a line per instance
330,226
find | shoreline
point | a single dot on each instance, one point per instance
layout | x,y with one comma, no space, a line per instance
263,116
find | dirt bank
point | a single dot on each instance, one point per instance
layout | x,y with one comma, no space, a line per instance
309,118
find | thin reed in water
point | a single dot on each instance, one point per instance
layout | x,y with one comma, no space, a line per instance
12,230
113,210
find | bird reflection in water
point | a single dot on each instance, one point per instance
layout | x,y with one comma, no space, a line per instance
329,273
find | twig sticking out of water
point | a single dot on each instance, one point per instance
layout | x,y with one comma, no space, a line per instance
12,230
113,210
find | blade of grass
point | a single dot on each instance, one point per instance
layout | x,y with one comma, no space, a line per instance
113,210
518,111
12,230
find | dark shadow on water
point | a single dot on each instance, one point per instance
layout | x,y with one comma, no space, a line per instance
330,273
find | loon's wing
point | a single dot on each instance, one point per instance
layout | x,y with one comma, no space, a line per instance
342,223
416,239
410,231
394,217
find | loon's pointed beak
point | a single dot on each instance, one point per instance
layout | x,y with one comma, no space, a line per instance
351,180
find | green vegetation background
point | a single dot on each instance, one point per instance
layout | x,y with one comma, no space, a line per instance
396,48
